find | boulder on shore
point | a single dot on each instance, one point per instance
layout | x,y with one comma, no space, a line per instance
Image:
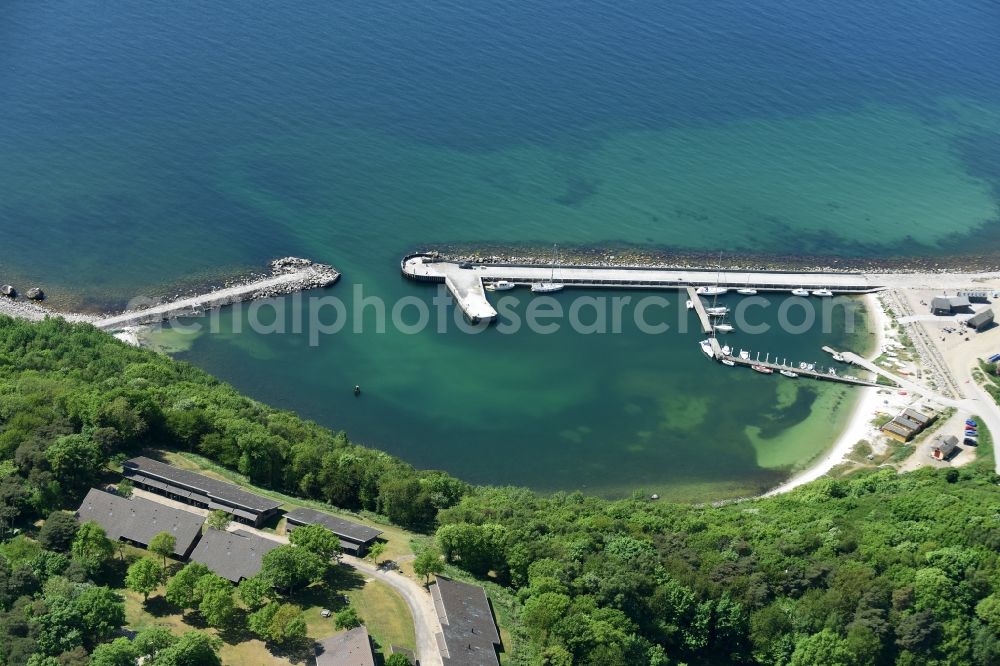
35,294
8,290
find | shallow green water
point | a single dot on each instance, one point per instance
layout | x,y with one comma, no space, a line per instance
606,413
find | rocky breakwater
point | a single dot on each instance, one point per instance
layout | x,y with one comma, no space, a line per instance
288,276
308,274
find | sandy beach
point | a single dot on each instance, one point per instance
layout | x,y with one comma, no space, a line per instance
859,425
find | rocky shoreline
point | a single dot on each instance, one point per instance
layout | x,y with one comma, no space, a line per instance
652,257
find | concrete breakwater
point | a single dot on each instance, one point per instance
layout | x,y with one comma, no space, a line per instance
288,275
651,256
466,280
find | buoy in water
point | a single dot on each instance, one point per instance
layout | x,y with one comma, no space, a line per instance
357,390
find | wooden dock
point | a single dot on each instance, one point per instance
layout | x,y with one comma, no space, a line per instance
778,367
699,307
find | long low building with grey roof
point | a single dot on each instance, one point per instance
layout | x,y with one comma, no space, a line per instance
350,648
469,634
355,539
200,490
233,555
138,520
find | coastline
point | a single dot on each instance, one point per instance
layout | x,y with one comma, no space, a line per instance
858,426
287,275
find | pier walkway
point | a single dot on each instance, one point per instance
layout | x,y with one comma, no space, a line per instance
289,275
699,307
798,370
902,382
465,280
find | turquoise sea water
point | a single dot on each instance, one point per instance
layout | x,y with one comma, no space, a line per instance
141,145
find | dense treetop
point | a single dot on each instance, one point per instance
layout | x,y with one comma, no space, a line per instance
878,568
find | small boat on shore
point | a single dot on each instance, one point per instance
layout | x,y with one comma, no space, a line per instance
822,292
789,374
800,292
762,369
706,346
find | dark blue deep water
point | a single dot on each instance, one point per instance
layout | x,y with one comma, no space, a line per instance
148,143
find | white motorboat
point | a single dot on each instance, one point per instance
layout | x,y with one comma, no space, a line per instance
719,311
822,292
728,361
723,328
800,292
711,291
689,305
789,373
706,346
726,350
503,285
838,357
745,355
551,285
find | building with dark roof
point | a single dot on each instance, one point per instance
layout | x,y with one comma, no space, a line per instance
469,634
944,448
355,538
949,305
897,431
233,555
200,490
350,648
138,520
981,320
907,425
919,417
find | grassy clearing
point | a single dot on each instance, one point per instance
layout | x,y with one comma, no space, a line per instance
381,608
984,450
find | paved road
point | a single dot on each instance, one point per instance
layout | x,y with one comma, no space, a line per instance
425,619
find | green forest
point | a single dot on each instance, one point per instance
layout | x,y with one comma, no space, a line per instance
877,568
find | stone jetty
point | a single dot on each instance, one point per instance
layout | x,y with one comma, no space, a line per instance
288,275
